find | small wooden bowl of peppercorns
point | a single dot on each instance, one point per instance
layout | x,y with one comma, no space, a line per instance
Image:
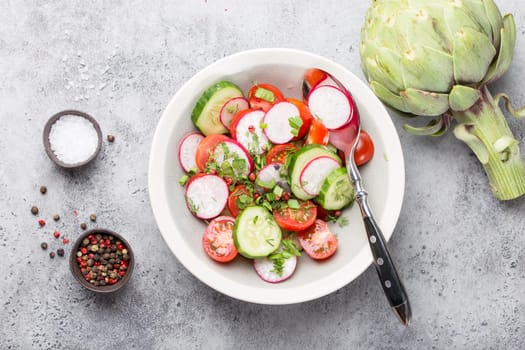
101,260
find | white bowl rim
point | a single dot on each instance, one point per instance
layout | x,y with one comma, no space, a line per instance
282,296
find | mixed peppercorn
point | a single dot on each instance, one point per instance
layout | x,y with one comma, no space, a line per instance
103,259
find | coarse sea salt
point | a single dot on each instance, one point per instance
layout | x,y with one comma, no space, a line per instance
73,139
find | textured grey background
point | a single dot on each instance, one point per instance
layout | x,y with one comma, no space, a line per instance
461,252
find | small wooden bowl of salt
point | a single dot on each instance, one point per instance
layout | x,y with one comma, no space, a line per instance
72,138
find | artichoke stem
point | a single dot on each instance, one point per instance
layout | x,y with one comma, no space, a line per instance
505,167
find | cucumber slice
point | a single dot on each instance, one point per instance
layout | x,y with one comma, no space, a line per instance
256,234
336,191
206,113
299,160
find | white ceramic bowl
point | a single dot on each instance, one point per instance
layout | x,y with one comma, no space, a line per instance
384,178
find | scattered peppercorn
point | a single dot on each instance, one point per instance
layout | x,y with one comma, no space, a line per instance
56,234
43,189
111,138
93,217
34,210
60,252
65,241
56,217
83,226
42,222
43,245
52,255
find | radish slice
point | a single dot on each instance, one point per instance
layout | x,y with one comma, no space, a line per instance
187,150
281,122
270,175
264,267
206,195
331,105
249,133
231,107
234,153
314,173
328,81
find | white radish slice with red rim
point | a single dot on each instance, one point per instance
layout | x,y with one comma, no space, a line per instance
230,108
206,195
270,175
264,268
187,150
248,132
331,105
235,154
328,81
315,172
282,122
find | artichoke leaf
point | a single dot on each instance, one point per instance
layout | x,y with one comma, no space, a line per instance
463,97
517,113
506,51
426,103
496,22
435,127
388,97
383,65
473,54
463,133
478,10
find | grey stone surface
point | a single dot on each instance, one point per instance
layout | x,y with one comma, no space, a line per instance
461,252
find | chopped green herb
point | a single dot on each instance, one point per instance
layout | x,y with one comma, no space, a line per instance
263,126
183,179
295,123
290,247
267,205
193,207
278,191
385,156
255,219
264,94
293,203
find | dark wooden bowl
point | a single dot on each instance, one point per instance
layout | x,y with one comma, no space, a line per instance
75,268
47,145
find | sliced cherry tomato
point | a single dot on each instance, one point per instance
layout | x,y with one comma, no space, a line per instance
296,219
364,150
279,153
318,241
239,198
263,96
317,134
217,240
314,76
306,117
205,148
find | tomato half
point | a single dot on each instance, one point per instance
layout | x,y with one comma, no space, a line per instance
318,241
306,117
205,148
317,134
279,153
263,96
239,199
314,76
296,219
217,240
364,150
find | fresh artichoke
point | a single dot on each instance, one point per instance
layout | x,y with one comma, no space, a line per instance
435,58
